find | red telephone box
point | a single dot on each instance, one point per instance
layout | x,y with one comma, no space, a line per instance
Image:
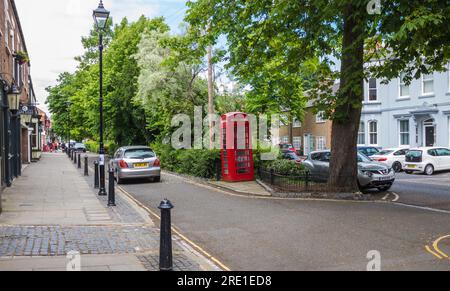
236,148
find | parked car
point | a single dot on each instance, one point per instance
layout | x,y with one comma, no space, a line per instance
427,160
136,162
79,147
287,147
369,151
370,174
291,156
393,158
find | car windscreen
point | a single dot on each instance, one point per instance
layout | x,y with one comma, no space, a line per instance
363,158
384,153
414,154
139,154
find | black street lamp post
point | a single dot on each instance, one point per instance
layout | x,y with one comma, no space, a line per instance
68,104
13,145
101,16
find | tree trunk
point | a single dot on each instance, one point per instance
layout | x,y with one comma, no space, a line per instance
343,165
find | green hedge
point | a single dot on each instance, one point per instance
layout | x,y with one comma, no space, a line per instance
94,147
202,163
286,168
199,163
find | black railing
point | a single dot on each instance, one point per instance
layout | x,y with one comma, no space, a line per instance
303,182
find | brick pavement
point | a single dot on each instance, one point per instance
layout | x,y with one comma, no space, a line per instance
52,210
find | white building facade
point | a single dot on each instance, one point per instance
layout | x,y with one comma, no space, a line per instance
401,115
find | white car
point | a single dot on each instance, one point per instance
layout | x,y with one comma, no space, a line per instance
427,160
393,158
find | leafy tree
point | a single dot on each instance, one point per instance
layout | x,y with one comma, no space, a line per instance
166,87
125,121
277,45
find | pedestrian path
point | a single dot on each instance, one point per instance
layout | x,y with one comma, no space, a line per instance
52,192
53,210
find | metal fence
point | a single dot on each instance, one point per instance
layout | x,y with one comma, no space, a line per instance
302,183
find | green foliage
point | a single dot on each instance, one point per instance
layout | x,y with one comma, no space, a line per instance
92,146
198,163
286,168
164,89
284,51
125,119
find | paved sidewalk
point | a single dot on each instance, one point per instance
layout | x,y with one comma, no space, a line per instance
249,188
52,210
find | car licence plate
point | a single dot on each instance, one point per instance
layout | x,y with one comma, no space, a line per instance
411,166
141,165
385,179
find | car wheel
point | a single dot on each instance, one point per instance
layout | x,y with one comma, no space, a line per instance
119,180
429,170
157,179
397,167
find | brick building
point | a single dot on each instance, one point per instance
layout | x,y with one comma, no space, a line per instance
16,126
311,134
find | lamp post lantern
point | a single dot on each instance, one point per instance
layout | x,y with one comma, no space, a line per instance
101,16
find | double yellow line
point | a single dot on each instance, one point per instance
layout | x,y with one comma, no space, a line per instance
436,251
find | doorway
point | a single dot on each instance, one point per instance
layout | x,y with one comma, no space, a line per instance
429,133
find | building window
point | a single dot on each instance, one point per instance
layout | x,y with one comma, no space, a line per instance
297,123
373,92
320,117
284,120
404,88
373,133
297,142
321,143
362,134
285,139
404,132
428,84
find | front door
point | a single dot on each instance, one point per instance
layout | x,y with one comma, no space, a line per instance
430,136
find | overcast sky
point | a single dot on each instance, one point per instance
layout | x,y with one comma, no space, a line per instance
53,30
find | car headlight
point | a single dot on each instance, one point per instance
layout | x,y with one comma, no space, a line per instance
368,173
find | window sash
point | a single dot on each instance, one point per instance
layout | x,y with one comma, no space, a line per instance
373,90
361,134
404,132
404,89
373,133
297,142
320,117
428,84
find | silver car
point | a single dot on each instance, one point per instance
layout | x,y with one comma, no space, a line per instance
370,174
136,162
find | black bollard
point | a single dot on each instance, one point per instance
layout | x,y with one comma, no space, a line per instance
79,161
165,251
75,157
111,192
96,180
86,165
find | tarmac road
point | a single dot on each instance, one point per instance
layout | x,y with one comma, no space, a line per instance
269,234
